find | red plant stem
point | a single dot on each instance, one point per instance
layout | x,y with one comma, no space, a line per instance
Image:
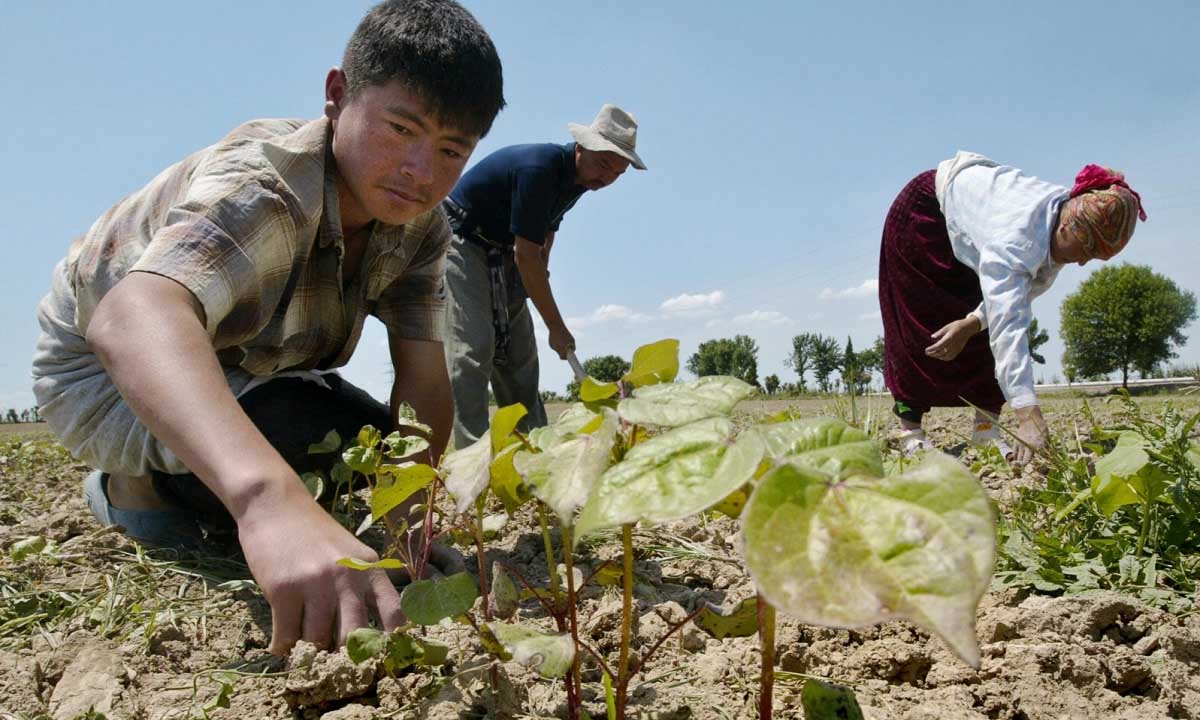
596,656
626,621
766,636
545,606
573,706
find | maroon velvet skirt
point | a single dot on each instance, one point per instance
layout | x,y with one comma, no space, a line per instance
922,287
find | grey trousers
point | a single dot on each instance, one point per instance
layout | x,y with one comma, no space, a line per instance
470,344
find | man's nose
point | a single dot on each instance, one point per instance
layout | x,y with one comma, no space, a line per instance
418,163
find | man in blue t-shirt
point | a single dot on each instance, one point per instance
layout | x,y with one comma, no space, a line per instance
505,212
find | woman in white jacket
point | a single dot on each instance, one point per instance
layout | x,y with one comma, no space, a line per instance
965,249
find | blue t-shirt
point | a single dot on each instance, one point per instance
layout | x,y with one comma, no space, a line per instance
519,190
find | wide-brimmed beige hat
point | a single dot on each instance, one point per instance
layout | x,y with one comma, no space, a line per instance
613,130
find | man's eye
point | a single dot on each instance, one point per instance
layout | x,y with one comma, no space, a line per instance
400,129
452,154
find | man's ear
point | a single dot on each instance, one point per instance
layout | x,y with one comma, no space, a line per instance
335,93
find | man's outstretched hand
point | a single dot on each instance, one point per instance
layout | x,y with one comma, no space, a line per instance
292,547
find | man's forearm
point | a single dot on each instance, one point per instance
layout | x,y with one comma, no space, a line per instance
148,334
421,381
532,269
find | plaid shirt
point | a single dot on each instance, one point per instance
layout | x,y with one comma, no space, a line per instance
251,227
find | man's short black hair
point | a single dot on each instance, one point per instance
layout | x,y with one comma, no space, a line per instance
439,51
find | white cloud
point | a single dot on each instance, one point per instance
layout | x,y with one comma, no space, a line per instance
877,315
762,318
867,288
693,303
605,314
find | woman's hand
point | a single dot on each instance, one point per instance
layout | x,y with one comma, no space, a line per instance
951,338
1031,433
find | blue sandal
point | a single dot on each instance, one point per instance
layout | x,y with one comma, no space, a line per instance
160,528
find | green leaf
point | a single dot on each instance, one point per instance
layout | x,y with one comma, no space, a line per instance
593,391
433,653
1125,476
407,417
330,443
829,701
405,445
402,651
362,459
504,595
506,482
369,436
314,483
397,484
563,475
504,422
22,549
550,654
654,363
668,477
675,404
828,444
739,621
365,643
733,504
918,546
468,472
341,474
355,564
428,602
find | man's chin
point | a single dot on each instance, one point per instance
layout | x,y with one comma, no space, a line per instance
401,213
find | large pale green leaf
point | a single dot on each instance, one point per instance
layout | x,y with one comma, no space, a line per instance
428,602
362,459
668,477
468,471
577,419
504,422
1125,476
825,443
654,363
563,475
549,653
404,445
848,553
397,484
675,404
407,417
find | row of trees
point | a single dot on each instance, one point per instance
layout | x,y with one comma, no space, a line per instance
22,416
1122,318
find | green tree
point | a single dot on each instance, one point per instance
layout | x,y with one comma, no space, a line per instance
737,356
826,358
605,368
800,358
1125,317
771,383
11,416
1037,338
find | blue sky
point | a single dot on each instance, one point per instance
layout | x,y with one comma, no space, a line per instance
777,135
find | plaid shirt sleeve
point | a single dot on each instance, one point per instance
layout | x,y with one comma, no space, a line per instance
233,246
412,306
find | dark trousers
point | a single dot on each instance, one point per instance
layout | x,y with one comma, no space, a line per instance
292,414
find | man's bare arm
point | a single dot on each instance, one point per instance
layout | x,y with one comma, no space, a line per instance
149,334
531,264
421,380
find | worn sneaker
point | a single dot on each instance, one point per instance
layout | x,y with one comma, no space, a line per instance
913,442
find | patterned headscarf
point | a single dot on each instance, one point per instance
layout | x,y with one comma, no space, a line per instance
1102,213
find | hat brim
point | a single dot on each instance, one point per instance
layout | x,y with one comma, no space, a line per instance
592,140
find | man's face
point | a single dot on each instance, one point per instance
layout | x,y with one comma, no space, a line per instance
594,170
395,160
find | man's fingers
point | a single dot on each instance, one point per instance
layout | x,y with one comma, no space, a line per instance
352,614
386,601
318,621
285,625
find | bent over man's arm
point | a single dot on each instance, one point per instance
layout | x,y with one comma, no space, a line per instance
149,333
531,260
